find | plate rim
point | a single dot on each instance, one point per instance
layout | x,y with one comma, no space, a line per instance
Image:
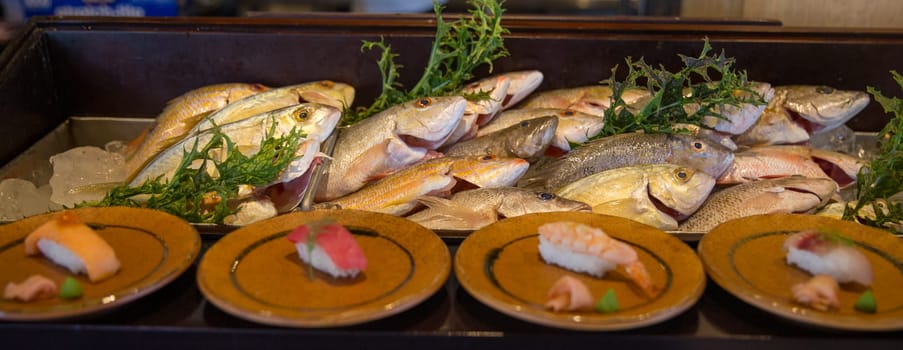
403,303
165,280
511,309
779,310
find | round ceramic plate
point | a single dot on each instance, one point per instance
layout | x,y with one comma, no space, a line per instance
745,257
255,273
500,266
153,249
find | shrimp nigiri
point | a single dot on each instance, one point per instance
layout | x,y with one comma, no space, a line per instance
583,248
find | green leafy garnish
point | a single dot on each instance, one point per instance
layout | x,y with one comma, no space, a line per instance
314,228
458,48
670,102
184,195
70,289
608,303
883,176
866,303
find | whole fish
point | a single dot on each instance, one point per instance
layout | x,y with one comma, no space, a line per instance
795,194
522,84
573,127
314,120
474,209
796,111
527,139
659,195
181,115
626,150
736,120
397,194
481,111
388,141
594,99
770,162
326,92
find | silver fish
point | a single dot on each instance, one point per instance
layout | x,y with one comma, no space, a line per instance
388,141
527,139
474,209
314,120
522,84
326,92
573,127
796,111
625,150
659,195
795,194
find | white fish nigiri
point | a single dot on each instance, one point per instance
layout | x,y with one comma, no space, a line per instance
822,254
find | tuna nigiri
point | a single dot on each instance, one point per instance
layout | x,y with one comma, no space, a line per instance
329,247
828,254
583,248
68,242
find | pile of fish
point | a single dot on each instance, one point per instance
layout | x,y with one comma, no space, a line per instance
451,164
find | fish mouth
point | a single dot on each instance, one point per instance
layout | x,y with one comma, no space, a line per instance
414,141
673,213
808,125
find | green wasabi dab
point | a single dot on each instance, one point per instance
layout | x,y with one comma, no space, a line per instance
866,303
70,289
608,303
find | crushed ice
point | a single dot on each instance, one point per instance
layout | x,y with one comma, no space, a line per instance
85,174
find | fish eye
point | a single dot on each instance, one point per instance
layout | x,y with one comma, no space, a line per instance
699,146
824,90
524,124
423,102
546,196
487,157
568,113
302,114
683,174
327,83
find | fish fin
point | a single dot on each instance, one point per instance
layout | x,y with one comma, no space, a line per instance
449,214
538,175
133,145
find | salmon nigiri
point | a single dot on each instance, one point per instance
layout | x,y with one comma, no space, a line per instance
329,247
68,242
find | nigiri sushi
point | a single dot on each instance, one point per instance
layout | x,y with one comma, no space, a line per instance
68,242
582,248
35,287
819,292
330,248
569,294
828,254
